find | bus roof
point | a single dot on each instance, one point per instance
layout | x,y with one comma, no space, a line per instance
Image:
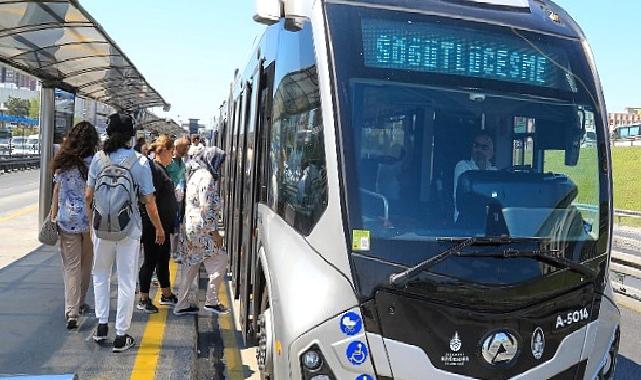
536,15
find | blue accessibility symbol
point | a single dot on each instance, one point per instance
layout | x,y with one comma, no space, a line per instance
364,377
351,323
356,352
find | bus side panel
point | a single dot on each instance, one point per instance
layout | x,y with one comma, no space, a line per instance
304,290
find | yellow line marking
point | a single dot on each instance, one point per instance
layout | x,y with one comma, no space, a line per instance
18,213
231,351
151,342
628,302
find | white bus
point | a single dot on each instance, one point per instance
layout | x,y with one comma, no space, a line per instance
366,241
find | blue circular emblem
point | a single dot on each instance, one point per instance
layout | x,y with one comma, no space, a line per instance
351,323
364,377
356,352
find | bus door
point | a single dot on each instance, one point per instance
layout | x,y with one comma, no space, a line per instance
250,195
231,173
241,153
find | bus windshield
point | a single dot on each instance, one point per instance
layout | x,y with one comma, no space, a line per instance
454,129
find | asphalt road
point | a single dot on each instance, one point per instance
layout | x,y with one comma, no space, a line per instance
18,190
629,362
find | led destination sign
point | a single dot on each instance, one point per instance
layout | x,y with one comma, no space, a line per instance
446,50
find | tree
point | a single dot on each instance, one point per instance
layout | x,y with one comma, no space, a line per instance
34,108
18,107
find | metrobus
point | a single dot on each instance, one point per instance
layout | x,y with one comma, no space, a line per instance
631,131
407,194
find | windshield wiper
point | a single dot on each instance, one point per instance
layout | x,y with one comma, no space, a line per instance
400,279
547,256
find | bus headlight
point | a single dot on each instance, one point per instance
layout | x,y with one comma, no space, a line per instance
314,366
312,360
321,377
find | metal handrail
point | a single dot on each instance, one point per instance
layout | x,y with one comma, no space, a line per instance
18,163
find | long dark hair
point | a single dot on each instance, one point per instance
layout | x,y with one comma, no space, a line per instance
79,143
115,141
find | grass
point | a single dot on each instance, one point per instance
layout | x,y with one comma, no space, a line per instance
626,174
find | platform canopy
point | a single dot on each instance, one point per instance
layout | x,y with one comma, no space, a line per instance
60,43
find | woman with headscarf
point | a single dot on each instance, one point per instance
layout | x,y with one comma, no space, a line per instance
201,242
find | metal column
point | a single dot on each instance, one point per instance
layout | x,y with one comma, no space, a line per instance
47,124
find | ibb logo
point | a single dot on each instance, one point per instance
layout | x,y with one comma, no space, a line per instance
500,347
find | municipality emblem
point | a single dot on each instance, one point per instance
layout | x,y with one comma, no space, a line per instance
455,342
538,343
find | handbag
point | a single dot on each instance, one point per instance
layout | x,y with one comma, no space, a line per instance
48,232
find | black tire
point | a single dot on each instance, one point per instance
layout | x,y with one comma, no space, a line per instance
265,374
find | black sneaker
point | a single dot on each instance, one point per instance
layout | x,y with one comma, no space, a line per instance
147,306
101,332
83,309
185,311
168,300
123,343
72,323
216,309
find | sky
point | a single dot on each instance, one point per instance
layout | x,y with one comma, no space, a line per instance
188,49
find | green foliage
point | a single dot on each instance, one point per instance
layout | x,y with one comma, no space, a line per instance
584,174
626,175
18,107
34,108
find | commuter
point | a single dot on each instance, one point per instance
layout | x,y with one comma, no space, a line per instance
156,255
205,245
118,178
71,165
177,172
196,145
176,168
140,143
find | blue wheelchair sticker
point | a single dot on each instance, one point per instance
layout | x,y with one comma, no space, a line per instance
351,323
364,377
356,352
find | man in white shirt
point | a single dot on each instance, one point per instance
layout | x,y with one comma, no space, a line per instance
482,153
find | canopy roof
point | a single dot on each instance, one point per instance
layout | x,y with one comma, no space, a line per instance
60,43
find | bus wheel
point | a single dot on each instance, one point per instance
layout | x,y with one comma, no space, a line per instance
264,354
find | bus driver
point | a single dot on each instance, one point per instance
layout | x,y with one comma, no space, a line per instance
482,153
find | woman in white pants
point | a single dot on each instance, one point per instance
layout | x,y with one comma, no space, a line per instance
201,242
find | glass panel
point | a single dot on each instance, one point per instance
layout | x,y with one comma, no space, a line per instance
35,12
89,62
434,154
51,55
52,36
81,79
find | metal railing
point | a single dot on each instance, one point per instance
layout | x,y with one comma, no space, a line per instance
625,273
11,164
626,214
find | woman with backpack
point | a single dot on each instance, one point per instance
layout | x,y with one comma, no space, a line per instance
118,179
70,167
156,256
201,243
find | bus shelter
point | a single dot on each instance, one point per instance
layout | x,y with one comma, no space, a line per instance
63,45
